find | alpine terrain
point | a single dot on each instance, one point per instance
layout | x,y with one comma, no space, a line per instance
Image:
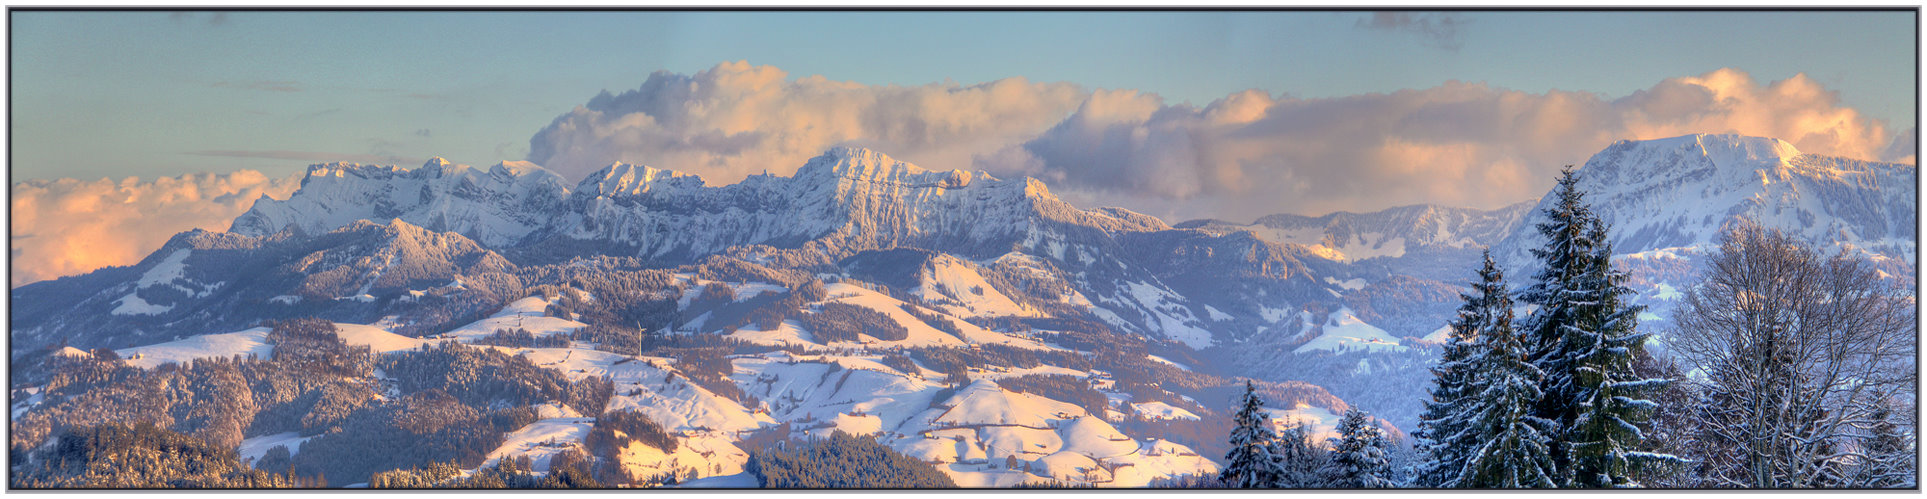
642,327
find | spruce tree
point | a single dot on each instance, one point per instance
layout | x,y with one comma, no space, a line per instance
1502,444
1442,420
1583,338
1298,458
1605,440
1250,463
1558,328
1557,290
1360,455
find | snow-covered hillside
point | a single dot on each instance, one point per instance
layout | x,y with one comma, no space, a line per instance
1679,192
968,430
976,323
1392,232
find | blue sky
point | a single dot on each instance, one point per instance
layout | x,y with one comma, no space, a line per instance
153,93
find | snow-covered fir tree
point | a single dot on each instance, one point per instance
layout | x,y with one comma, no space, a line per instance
1250,464
1406,460
1298,458
1502,444
1439,428
1564,263
1606,443
1359,455
1583,338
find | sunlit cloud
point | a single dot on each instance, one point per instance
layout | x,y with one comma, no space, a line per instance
1460,144
734,120
67,226
1246,155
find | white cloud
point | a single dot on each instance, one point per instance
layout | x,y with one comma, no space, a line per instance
68,226
734,120
1246,155
1463,144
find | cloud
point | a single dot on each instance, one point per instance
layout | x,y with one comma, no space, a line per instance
320,157
734,120
1438,29
1466,144
67,226
1246,155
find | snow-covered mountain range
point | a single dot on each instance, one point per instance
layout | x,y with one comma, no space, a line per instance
1677,193
845,201
858,260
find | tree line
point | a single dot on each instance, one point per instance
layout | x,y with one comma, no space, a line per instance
1801,375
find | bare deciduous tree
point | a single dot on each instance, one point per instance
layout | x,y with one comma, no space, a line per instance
1796,355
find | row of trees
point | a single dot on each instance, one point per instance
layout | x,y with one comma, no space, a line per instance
842,461
1799,365
567,470
1788,369
1359,457
143,455
1554,401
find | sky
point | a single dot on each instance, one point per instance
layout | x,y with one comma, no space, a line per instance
1175,114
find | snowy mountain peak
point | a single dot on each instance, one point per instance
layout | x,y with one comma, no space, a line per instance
514,168
856,163
498,207
1679,192
1721,146
1732,158
626,179
338,170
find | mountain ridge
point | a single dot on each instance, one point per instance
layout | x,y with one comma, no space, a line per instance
441,246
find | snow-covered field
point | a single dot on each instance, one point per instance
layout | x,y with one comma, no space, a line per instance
1160,410
245,342
252,449
542,440
526,313
254,341
959,290
1345,331
969,433
920,334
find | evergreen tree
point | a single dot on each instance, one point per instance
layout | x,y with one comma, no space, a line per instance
1440,427
1359,455
1565,261
1583,339
1606,443
1250,463
1502,445
1298,458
